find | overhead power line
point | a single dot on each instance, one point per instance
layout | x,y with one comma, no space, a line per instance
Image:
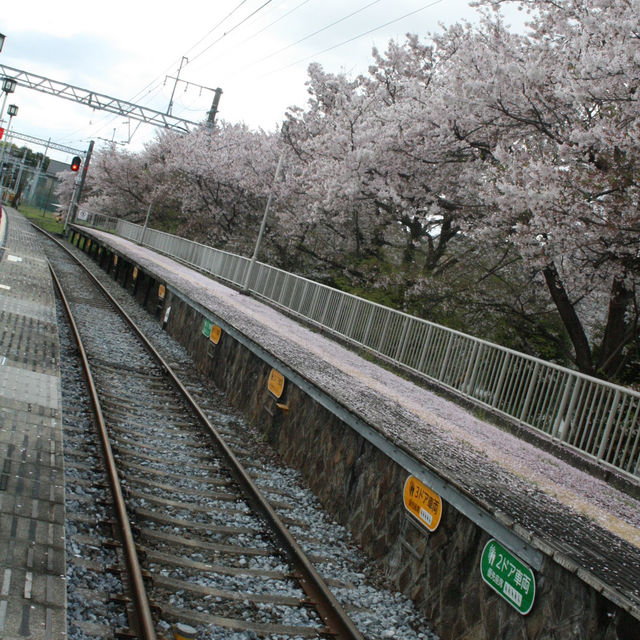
282,17
349,40
150,88
226,33
220,23
315,33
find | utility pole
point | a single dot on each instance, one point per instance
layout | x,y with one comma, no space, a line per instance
73,209
12,110
263,226
214,108
175,84
146,222
211,116
17,189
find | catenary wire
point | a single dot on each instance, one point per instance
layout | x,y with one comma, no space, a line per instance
340,44
315,33
176,61
220,23
349,40
109,119
226,33
282,17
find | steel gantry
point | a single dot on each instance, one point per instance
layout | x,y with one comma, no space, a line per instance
46,143
98,100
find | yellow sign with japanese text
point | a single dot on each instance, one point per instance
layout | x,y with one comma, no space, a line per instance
276,383
215,334
161,292
135,273
423,503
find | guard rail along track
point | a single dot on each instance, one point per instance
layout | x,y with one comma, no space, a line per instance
206,501
596,417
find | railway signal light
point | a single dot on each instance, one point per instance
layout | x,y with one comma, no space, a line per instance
75,163
1,132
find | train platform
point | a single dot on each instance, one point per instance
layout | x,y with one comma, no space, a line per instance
32,544
562,513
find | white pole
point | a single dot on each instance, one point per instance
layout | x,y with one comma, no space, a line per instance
146,221
4,146
263,225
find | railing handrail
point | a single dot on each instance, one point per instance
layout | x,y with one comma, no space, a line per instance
593,415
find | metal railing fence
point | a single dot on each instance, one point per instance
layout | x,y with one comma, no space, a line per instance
597,417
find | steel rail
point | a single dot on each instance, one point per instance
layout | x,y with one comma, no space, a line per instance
141,601
330,610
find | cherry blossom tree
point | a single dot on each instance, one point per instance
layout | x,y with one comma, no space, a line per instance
64,188
225,176
124,185
521,140
480,167
557,111
359,163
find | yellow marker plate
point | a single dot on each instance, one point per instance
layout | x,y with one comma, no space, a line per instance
215,334
161,292
115,260
135,273
276,383
423,503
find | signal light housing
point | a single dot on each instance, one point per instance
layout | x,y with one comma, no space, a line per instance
75,163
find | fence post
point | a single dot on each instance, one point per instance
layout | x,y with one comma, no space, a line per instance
369,324
563,404
470,374
527,400
607,429
403,339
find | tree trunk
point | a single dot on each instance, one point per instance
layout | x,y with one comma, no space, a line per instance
569,319
615,334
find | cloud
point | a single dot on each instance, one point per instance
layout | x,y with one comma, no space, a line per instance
79,59
125,49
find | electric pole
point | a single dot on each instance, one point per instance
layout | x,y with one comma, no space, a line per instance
175,84
78,191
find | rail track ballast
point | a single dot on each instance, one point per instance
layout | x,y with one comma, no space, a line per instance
202,543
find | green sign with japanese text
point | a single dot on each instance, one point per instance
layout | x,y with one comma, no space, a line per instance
508,576
206,327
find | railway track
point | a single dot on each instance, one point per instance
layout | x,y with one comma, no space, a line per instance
203,537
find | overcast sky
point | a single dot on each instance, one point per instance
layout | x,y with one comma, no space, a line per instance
256,51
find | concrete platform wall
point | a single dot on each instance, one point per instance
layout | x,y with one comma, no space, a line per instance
362,488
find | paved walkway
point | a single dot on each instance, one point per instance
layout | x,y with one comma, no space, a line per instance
32,550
